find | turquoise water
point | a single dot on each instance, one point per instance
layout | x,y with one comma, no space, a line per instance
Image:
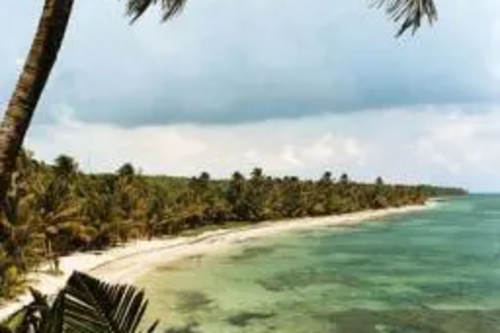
434,272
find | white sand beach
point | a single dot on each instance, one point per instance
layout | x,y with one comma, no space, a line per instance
125,263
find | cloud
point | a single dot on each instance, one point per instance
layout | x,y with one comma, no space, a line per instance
19,62
188,149
102,147
226,62
289,155
464,143
449,147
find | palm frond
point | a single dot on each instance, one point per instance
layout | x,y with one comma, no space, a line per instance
85,305
92,306
169,8
53,318
410,12
34,317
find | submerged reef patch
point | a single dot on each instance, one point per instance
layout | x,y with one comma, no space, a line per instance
302,278
250,253
191,301
244,318
414,321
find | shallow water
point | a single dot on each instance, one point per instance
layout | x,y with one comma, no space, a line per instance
427,272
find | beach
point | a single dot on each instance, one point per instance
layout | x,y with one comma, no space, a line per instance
127,262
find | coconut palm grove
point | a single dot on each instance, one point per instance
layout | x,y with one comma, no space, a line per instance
55,209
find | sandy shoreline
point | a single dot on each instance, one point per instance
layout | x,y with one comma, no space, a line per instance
126,263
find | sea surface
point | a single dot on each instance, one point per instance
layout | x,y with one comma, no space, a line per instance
425,272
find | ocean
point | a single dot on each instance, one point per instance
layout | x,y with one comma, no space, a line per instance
432,271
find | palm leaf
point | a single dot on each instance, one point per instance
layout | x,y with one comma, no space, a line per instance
136,8
410,12
53,319
93,306
34,317
9,325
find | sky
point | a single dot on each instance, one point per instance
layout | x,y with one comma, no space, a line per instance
291,86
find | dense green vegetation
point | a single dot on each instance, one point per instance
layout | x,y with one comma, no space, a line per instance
53,210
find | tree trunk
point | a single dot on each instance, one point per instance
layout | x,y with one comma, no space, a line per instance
29,88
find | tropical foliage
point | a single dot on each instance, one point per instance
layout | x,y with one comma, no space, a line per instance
53,210
84,305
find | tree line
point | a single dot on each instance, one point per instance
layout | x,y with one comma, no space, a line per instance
55,209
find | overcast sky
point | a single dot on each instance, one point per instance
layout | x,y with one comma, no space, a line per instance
293,86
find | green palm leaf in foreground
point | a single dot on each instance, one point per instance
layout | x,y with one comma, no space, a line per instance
94,306
85,305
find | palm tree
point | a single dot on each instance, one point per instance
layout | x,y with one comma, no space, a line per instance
39,63
127,170
49,38
18,225
41,58
344,179
65,165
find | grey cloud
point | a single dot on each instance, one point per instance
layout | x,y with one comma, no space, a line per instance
235,62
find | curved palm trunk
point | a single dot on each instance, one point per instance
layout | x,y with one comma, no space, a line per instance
29,88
